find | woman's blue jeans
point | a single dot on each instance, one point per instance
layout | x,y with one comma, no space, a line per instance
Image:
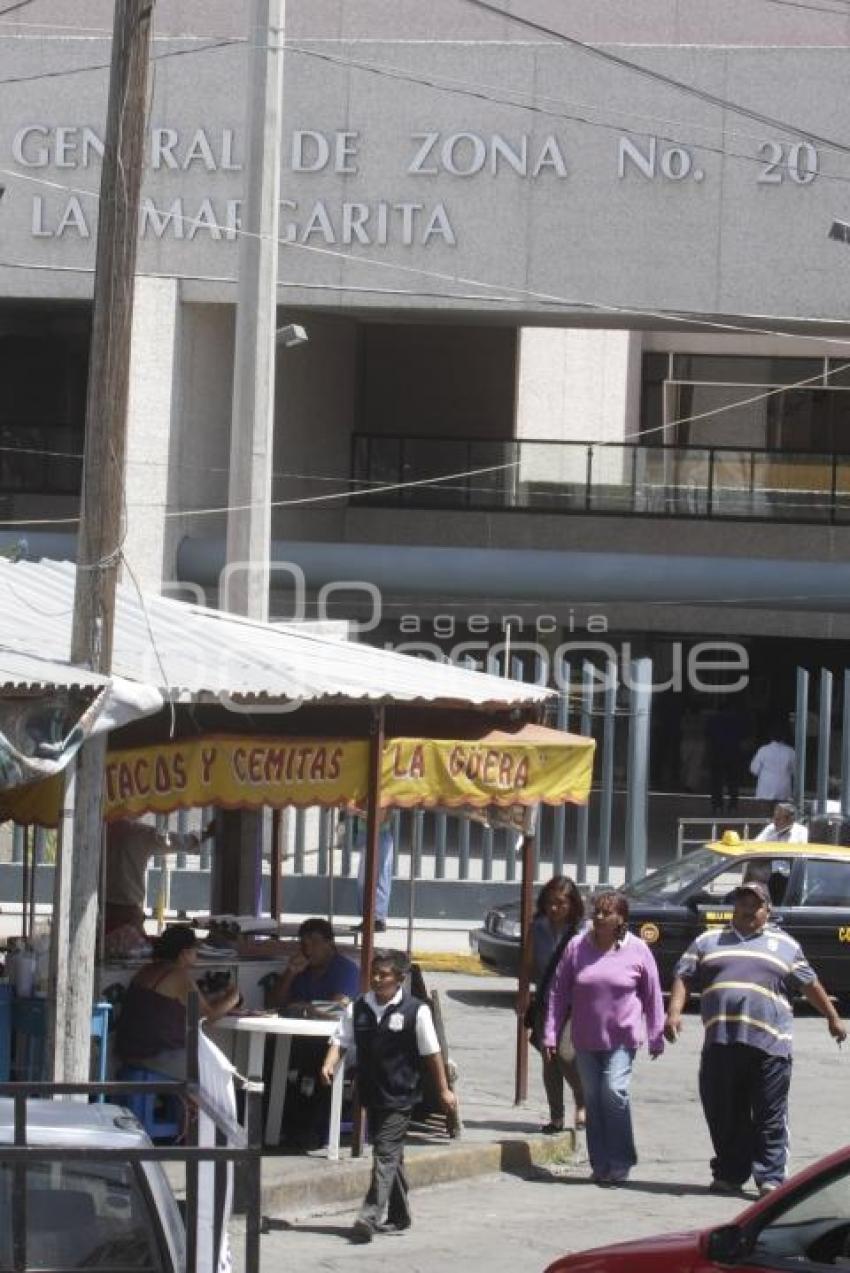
605,1078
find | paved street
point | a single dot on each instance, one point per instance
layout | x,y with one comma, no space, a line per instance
521,1222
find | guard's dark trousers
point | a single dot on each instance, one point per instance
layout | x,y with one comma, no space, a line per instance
388,1187
744,1094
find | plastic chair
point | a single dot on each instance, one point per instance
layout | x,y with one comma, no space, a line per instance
160,1115
100,1031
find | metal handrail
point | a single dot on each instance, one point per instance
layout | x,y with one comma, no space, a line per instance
244,1152
798,486
718,825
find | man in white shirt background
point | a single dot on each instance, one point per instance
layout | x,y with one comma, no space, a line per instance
773,767
784,829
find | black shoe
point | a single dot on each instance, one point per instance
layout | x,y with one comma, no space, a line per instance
394,1226
360,1233
552,1129
380,926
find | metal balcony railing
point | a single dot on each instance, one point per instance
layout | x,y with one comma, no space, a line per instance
628,479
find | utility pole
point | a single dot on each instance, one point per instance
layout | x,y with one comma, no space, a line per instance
101,519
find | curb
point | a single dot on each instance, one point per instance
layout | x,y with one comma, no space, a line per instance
302,1192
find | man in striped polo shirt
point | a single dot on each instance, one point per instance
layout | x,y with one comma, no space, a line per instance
744,974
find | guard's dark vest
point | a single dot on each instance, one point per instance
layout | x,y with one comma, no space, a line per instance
388,1075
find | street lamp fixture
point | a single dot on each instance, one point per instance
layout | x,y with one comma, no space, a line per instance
290,335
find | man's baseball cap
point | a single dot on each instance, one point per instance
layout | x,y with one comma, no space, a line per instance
753,886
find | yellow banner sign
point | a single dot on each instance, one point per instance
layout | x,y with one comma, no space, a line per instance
448,773
235,773
251,772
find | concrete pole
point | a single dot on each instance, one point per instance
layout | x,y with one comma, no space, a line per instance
246,589
245,586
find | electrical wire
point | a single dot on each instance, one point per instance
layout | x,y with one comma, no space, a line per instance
659,77
511,293
21,4
490,94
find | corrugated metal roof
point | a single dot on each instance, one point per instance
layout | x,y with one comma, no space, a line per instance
199,654
20,670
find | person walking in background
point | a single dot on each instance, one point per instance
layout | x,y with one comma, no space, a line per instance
742,973
384,881
773,768
557,920
393,1034
784,829
724,732
607,984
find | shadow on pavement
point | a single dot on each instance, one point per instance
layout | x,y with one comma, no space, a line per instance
484,998
323,1230
496,1125
667,1188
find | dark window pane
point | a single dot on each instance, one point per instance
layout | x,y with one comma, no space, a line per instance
745,369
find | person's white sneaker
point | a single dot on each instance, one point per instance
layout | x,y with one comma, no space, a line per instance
766,1187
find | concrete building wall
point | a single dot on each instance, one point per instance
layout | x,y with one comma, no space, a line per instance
653,21
200,439
315,409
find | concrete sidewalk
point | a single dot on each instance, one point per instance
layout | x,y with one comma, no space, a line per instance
480,1020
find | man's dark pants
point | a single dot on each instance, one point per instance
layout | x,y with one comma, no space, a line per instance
744,1094
388,1187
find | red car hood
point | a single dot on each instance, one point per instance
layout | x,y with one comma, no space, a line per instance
669,1253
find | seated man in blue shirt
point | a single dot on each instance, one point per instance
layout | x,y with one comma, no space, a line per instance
318,975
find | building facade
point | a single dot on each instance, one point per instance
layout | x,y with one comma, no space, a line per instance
578,371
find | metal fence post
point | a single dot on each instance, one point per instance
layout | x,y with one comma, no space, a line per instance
609,725
845,747
824,731
801,717
559,817
583,812
640,678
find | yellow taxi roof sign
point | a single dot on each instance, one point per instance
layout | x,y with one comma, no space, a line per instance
730,837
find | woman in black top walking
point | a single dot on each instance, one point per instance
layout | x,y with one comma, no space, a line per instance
557,920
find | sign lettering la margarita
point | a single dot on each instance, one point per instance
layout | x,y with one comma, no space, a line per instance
462,155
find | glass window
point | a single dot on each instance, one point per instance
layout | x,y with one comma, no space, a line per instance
774,872
81,1215
677,876
814,1229
826,884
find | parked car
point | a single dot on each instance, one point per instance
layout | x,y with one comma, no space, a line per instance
809,884
93,1212
804,1224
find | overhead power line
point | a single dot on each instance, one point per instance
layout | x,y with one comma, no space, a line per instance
659,77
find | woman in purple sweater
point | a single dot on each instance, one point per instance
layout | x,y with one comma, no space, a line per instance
607,984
